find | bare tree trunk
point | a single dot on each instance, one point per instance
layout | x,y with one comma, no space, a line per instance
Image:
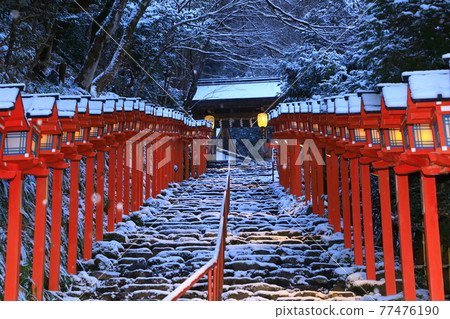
100,19
43,53
87,73
105,78
196,75
12,41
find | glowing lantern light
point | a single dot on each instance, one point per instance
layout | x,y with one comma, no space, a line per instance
262,120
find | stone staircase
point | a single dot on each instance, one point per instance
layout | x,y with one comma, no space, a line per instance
271,254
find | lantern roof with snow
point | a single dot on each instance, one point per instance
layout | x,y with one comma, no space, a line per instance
341,105
395,95
354,103
9,94
39,105
371,101
330,105
67,105
96,106
428,85
83,106
304,108
315,106
129,104
120,104
109,105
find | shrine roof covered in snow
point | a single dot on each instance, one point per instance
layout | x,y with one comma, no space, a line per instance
235,98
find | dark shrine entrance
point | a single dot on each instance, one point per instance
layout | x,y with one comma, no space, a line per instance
233,105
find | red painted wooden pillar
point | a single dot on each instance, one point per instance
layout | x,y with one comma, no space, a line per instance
186,160
134,179
119,188
155,173
14,238
286,172
307,174
142,175
432,239
148,183
170,164
291,165
386,226
161,171
320,186
139,175
281,173
203,158
356,212
406,246
126,186
367,221
335,189
297,171
179,154
73,217
315,201
330,192
112,189
100,196
191,162
40,222
89,208
181,160
346,204
160,168
169,168
55,247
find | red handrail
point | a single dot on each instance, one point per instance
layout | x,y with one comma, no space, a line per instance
215,266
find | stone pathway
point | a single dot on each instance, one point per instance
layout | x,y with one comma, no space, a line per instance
275,250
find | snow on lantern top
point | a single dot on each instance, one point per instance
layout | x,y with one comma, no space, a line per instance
428,85
119,104
9,94
395,95
96,106
354,103
330,105
149,109
67,105
129,104
341,105
142,106
304,108
39,105
84,102
323,106
109,106
371,101
315,106
284,108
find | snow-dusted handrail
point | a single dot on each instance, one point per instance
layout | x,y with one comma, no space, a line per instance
215,266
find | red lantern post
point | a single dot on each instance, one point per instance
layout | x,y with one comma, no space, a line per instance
426,90
68,118
19,152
